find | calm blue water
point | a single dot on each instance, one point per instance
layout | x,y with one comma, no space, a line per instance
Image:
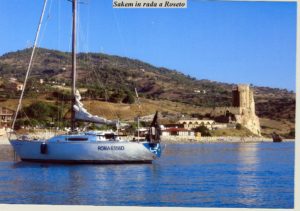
256,175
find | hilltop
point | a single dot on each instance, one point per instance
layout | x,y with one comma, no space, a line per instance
107,76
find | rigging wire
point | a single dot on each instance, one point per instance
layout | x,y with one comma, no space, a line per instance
93,74
42,34
43,31
86,49
30,64
83,36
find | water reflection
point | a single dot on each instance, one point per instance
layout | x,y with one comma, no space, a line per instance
6,153
248,185
248,158
187,175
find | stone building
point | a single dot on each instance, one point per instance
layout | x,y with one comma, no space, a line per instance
182,132
242,109
192,123
5,116
247,116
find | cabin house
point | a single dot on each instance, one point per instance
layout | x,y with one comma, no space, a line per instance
14,85
19,86
6,116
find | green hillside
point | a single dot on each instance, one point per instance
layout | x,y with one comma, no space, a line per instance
113,78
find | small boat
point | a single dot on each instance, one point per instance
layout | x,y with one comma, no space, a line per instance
89,146
276,137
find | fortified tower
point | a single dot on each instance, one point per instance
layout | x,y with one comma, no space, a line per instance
242,108
242,97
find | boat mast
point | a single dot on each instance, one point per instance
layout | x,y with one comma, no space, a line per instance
74,9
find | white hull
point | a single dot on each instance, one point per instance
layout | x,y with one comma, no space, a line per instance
86,152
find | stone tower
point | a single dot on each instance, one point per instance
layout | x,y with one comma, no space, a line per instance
242,97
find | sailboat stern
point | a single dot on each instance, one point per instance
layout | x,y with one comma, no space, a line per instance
154,148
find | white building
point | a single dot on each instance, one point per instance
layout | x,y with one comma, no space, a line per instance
182,132
193,123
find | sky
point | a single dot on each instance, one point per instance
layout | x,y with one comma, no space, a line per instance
232,42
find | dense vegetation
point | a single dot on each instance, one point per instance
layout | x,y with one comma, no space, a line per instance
41,114
115,73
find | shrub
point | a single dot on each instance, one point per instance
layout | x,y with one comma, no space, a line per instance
117,96
41,110
203,130
62,96
238,126
95,93
129,98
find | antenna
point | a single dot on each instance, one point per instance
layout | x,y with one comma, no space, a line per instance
138,117
137,96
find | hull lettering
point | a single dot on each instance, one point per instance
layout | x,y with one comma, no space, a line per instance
111,148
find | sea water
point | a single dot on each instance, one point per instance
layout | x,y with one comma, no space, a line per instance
252,175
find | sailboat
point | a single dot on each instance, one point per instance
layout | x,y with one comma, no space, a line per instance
88,146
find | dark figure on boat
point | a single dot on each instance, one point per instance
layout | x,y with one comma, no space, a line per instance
154,131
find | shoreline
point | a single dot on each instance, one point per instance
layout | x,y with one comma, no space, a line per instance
216,139
7,153
177,140
227,141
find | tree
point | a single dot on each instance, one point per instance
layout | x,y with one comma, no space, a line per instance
41,110
203,130
62,96
95,93
117,96
129,98
238,126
